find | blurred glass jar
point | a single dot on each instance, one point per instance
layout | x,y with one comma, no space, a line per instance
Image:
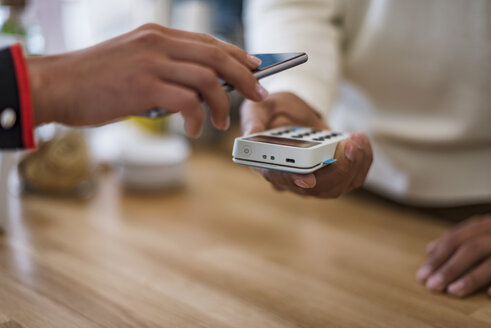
60,167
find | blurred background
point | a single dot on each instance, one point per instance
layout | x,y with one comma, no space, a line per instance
148,155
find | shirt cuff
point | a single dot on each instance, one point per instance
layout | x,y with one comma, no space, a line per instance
25,102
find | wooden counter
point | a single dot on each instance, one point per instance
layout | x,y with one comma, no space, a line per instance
226,251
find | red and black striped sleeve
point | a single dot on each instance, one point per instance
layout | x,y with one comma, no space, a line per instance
16,117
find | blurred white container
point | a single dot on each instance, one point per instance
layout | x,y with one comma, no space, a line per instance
152,162
150,11
193,16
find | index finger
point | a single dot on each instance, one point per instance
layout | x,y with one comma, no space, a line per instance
240,55
226,66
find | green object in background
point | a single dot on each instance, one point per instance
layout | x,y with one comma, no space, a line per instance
12,29
17,28
13,24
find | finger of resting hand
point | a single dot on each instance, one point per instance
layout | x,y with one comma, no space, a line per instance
447,244
464,258
430,247
175,98
466,229
476,279
226,66
204,81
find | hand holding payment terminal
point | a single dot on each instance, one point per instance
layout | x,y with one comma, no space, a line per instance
292,149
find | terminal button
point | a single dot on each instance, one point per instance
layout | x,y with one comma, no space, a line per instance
247,151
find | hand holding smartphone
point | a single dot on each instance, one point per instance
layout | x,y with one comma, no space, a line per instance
271,64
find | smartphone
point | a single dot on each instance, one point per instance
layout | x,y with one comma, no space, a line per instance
274,63
271,64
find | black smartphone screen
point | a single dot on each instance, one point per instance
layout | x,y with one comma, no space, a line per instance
272,64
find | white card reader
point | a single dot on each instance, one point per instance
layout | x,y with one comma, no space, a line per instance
292,149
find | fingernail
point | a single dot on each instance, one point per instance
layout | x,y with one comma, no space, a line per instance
349,150
261,91
223,125
423,273
360,140
435,283
301,183
254,60
189,130
457,288
187,127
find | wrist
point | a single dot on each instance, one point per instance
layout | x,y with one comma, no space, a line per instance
43,110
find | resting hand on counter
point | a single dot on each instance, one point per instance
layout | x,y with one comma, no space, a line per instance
150,67
459,263
354,156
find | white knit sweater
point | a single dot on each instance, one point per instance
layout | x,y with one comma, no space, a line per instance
413,74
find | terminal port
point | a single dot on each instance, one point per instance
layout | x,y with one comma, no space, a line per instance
290,160
272,158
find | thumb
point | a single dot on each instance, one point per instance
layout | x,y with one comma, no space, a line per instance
256,116
253,127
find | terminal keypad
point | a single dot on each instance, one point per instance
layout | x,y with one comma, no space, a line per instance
306,134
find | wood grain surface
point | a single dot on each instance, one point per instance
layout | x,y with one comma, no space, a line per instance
224,251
